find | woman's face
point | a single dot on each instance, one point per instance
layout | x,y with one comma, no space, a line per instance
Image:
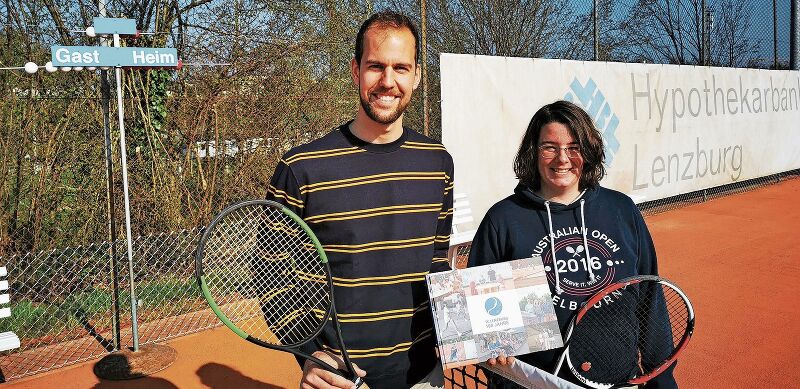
560,163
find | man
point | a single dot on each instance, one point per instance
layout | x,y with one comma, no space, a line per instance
379,198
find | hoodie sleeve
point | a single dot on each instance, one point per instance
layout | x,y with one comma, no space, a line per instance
648,264
663,381
485,247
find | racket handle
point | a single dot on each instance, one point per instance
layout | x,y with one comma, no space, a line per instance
357,381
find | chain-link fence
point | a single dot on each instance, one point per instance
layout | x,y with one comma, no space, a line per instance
65,311
206,136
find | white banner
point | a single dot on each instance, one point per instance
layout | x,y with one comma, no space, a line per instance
668,129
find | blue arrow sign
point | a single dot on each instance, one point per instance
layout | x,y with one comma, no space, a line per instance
113,56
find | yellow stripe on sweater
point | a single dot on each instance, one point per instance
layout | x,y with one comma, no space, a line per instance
323,154
372,212
371,179
381,245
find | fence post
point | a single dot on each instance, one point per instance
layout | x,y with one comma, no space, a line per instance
794,41
703,33
424,49
709,26
125,192
775,34
596,40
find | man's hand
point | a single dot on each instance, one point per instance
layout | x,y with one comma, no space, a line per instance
316,377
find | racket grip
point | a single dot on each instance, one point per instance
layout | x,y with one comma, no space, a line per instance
357,381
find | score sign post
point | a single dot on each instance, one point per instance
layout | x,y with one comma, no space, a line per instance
67,57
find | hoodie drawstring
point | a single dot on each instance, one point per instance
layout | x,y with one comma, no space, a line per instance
553,246
589,260
586,244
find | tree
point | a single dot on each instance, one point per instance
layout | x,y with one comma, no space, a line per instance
667,31
731,42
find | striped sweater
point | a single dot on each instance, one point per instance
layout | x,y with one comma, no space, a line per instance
383,214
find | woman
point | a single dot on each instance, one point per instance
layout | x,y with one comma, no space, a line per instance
588,236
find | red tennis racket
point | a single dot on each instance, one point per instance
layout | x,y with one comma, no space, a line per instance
628,333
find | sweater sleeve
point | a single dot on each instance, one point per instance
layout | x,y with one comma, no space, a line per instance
444,227
285,189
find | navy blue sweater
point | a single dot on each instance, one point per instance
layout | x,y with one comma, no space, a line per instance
617,239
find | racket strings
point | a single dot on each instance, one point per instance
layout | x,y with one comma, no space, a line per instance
629,333
266,275
664,328
602,348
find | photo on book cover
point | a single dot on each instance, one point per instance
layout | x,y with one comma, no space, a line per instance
484,311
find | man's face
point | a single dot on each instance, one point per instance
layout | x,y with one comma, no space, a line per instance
387,74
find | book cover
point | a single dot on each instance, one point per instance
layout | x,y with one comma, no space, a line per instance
481,312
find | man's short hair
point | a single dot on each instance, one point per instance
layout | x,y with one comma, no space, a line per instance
386,19
590,141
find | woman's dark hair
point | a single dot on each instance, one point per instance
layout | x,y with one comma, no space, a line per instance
386,19
580,124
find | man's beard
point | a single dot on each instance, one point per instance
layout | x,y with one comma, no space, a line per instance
385,119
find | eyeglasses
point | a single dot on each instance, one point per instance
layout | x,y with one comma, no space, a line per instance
550,151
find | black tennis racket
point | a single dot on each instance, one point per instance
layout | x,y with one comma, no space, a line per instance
628,333
266,277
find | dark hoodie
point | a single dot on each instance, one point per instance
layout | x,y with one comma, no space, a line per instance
604,220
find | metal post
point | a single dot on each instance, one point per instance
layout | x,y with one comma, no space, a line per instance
424,49
794,41
709,31
703,32
128,239
775,33
105,91
596,44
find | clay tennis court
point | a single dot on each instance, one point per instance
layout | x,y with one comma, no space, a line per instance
735,256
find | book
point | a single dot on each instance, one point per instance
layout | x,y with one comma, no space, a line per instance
483,311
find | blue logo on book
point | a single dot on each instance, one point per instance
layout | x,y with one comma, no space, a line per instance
595,104
493,306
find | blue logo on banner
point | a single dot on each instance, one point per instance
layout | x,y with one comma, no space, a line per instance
599,110
493,306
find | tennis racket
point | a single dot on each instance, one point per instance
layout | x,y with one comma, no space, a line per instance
266,277
628,333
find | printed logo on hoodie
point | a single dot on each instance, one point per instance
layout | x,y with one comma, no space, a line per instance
581,273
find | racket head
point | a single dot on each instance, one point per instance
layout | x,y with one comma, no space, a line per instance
629,332
265,275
